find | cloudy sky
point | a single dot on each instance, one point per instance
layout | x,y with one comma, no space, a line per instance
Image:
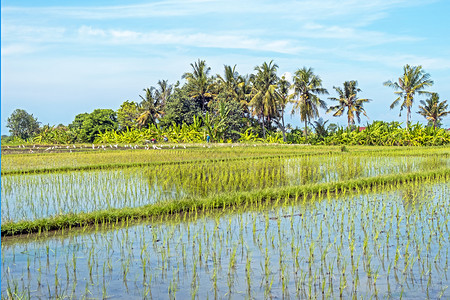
62,58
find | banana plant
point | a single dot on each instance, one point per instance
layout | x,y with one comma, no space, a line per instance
274,138
248,136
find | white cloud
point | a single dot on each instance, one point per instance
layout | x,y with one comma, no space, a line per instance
325,20
89,31
299,10
287,76
163,37
217,40
31,33
17,49
399,60
155,9
351,34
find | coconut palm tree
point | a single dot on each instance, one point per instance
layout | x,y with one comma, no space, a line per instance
433,110
228,84
150,107
348,99
283,89
307,87
414,80
320,128
200,84
163,92
265,97
244,93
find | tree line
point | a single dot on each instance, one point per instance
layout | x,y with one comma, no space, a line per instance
232,105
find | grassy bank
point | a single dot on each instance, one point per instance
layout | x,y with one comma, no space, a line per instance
223,201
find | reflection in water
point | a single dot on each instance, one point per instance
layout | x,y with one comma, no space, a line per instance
354,246
202,179
26,197
433,162
351,168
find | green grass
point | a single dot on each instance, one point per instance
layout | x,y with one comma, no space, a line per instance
254,221
34,196
201,177
103,159
88,158
95,159
214,202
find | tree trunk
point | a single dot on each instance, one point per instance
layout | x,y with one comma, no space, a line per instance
408,112
349,119
306,130
264,128
203,104
282,128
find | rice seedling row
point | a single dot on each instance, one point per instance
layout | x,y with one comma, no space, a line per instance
30,197
99,159
387,240
219,201
138,155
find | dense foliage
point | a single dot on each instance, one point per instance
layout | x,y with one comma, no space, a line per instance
22,124
246,108
378,133
88,126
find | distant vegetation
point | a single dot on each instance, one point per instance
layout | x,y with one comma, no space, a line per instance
246,108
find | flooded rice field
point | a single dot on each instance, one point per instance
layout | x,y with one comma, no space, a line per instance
389,243
34,196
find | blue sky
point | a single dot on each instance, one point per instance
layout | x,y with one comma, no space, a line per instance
62,58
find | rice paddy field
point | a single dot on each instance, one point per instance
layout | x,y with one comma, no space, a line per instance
226,221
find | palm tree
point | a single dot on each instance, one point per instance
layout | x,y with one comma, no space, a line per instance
433,110
200,84
228,84
319,127
307,87
163,92
348,100
283,90
414,80
244,93
265,96
150,108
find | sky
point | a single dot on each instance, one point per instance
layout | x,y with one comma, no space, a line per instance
63,58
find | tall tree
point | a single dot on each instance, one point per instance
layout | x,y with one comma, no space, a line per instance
22,124
320,128
307,87
127,115
348,100
150,108
88,126
244,94
228,84
433,109
224,121
180,109
265,96
200,84
283,89
414,80
162,93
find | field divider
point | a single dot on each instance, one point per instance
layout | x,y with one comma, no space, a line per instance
221,201
212,160
153,163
